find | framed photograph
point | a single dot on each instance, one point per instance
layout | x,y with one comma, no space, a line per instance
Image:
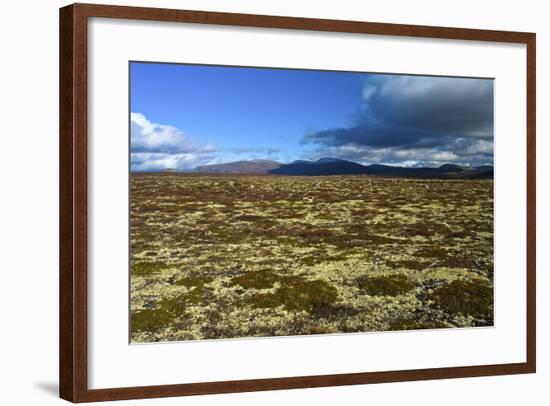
255,202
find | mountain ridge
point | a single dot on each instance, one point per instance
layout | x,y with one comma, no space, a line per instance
328,166
255,166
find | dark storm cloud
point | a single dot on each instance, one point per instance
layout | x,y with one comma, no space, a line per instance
449,119
376,134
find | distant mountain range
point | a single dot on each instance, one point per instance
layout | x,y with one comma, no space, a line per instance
256,166
335,166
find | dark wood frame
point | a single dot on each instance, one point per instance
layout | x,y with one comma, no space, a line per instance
73,362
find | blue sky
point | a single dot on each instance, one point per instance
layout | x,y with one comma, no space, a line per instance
184,116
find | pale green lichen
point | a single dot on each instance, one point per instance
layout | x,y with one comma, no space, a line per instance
242,256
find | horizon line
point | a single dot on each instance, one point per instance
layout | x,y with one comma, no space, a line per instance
313,161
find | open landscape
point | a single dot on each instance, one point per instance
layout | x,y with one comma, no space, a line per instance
229,256
287,202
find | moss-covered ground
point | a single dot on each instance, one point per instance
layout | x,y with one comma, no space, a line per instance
242,256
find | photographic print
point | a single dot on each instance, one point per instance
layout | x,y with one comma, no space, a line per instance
279,202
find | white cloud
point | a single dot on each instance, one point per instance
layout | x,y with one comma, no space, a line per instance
158,161
479,147
155,147
151,137
423,155
369,91
479,154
